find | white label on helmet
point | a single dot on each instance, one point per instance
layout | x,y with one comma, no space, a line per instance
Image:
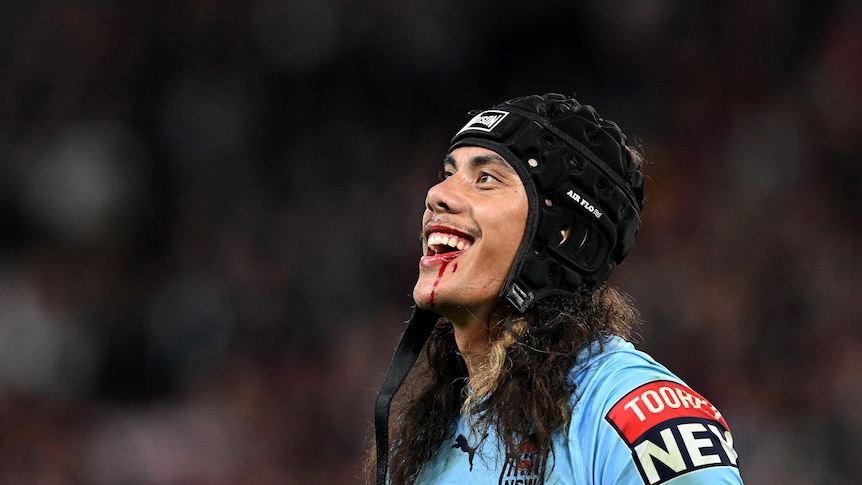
485,121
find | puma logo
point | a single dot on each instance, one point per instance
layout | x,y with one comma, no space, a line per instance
461,444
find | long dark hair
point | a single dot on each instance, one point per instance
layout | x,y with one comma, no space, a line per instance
523,389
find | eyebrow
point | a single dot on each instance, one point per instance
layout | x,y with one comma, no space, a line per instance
479,161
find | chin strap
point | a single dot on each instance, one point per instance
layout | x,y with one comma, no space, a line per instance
412,340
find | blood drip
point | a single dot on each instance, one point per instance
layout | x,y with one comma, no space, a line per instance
439,277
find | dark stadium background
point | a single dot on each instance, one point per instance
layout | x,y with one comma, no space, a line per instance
209,213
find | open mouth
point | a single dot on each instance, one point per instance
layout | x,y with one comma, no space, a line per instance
444,243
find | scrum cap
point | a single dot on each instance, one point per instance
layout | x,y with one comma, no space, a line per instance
585,195
584,192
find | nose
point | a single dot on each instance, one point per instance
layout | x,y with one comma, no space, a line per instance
444,198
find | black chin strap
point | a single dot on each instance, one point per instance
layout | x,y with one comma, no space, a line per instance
412,340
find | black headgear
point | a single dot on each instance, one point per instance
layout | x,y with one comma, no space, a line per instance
584,192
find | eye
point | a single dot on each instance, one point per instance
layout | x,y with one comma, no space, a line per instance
444,174
485,177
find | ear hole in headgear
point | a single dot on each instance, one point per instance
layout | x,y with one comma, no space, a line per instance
539,250
603,185
565,231
623,208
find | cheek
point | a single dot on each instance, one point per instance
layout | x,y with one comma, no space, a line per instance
509,231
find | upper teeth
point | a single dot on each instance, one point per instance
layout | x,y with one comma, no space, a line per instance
437,239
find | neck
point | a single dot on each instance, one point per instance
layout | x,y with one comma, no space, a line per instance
473,345
474,336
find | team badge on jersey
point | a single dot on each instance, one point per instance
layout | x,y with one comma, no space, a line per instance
525,468
671,430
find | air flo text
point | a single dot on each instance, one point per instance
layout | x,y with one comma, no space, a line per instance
585,204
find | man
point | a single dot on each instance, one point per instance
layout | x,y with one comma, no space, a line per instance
524,374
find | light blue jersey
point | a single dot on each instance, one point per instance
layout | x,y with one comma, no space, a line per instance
633,422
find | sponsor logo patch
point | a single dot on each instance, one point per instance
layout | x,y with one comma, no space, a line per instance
485,121
671,430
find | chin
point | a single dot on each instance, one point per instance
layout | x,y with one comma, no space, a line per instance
422,297
423,303
431,299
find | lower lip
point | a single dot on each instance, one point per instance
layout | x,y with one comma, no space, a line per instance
439,258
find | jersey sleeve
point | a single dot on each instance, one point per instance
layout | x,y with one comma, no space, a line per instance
640,425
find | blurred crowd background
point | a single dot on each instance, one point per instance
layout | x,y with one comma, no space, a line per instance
209,215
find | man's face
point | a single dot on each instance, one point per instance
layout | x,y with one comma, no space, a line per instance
473,224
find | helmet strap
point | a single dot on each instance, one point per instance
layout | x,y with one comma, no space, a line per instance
418,330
